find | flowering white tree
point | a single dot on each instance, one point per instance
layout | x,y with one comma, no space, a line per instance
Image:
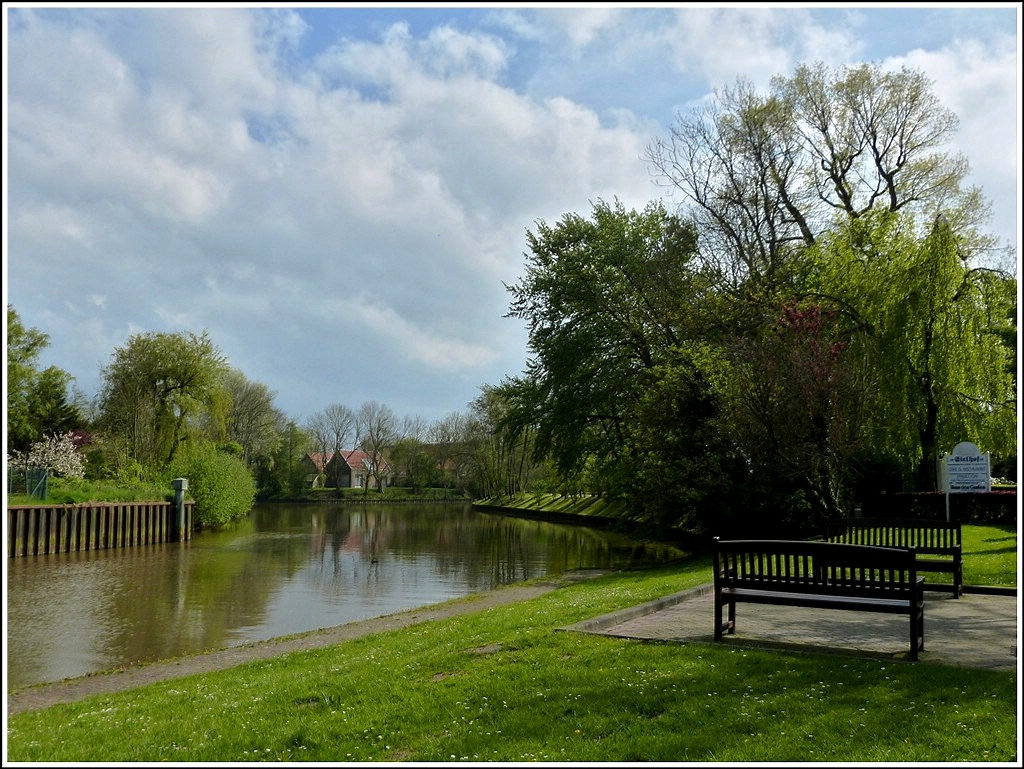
59,455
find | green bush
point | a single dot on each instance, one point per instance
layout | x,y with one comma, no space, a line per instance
220,483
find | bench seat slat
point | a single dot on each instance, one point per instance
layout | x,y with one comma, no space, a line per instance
820,600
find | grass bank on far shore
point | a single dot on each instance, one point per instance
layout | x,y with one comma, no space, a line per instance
505,684
584,504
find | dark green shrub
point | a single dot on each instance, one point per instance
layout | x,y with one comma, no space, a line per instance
993,507
219,482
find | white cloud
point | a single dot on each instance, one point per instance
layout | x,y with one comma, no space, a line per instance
443,354
214,54
567,30
50,223
85,127
444,53
278,30
980,83
583,25
449,53
718,45
342,225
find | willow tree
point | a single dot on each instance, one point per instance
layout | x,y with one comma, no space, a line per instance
934,325
157,390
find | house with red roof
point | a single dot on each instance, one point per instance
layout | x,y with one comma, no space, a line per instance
346,470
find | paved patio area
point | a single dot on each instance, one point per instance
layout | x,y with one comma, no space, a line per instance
977,630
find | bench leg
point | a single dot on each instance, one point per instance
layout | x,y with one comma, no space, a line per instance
729,627
916,633
718,617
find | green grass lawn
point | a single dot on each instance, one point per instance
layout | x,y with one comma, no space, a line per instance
990,555
506,685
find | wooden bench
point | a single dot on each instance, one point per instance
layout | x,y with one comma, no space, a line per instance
937,543
822,575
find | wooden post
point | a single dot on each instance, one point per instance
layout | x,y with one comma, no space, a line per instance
178,516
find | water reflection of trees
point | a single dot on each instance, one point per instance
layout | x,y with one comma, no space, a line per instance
147,603
476,548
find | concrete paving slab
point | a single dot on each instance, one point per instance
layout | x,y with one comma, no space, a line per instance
977,630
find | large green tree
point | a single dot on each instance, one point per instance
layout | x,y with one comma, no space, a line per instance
605,300
825,299
623,322
284,473
38,401
683,472
160,388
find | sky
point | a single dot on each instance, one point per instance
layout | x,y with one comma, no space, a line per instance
339,195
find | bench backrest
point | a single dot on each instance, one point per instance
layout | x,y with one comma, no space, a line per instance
815,567
927,537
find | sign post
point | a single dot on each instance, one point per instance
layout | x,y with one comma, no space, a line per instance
965,471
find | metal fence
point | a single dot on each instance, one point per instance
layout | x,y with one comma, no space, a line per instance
34,481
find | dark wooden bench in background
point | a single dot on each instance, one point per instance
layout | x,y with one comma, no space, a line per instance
821,575
937,543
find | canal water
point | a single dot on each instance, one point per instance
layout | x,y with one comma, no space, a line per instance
284,569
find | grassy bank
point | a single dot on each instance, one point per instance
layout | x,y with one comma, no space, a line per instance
72,491
559,503
506,685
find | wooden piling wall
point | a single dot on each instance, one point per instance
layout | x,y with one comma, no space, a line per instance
42,529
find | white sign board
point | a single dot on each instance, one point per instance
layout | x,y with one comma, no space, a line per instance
967,470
